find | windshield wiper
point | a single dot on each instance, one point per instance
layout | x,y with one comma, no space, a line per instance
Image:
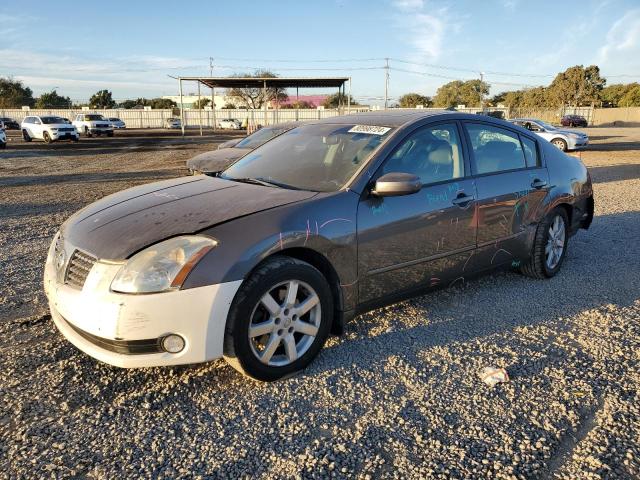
260,181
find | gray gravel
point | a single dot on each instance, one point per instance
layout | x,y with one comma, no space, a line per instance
398,396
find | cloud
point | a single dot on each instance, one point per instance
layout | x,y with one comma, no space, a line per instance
12,24
623,36
510,4
424,31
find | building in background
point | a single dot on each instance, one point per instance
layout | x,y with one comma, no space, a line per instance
191,99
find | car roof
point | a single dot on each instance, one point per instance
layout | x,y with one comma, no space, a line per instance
388,118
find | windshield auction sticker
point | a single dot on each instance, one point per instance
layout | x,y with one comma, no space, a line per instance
370,129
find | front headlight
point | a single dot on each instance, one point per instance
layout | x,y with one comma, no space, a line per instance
163,266
54,129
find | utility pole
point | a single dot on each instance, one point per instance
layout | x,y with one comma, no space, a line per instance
481,92
386,83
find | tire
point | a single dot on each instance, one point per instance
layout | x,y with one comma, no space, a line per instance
287,344
109,134
538,265
87,132
3,145
46,137
560,144
26,136
76,139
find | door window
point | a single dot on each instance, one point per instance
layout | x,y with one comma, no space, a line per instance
431,153
495,149
530,152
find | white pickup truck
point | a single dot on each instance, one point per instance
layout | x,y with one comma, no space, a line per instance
91,124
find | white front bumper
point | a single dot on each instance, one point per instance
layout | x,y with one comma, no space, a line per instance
198,315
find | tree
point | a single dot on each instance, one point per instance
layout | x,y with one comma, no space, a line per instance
611,95
411,100
631,98
162,103
458,92
52,100
229,106
299,104
332,101
102,99
576,86
200,104
14,95
257,97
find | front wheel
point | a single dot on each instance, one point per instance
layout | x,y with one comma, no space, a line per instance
279,320
549,247
87,132
46,137
560,144
25,136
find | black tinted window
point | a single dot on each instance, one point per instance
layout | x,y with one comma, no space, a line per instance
495,149
431,153
530,152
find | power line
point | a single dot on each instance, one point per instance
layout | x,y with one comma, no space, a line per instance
460,69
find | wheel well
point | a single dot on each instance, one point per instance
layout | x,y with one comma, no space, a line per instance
569,210
320,262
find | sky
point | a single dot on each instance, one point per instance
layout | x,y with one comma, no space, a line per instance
133,47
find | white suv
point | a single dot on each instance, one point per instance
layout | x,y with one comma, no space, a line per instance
93,124
48,128
3,137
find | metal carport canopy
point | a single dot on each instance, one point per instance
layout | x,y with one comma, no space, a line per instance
259,82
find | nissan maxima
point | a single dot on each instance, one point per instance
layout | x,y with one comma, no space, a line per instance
261,262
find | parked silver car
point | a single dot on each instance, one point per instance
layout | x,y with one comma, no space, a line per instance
563,139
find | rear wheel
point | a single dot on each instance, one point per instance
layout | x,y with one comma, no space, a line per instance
279,320
550,246
109,134
560,144
87,132
25,136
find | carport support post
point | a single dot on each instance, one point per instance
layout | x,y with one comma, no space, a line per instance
199,109
213,106
181,108
297,104
264,99
349,98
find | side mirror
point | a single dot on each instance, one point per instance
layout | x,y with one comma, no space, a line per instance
396,184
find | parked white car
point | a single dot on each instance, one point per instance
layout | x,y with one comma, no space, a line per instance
563,139
48,128
3,138
91,124
115,122
230,124
173,123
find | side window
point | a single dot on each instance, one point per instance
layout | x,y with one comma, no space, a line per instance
495,149
78,118
431,153
530,152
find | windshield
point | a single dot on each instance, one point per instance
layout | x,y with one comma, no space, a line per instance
319,158
50,120
114,119
261,136
545,125
93,117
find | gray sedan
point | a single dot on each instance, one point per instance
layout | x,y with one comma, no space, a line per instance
260,263
563,139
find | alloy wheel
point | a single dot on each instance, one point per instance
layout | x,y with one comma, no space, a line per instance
555,242
284,323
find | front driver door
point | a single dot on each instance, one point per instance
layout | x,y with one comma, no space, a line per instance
422,239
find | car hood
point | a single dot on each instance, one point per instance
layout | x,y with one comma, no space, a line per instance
58,125
216,160
567,132
121,224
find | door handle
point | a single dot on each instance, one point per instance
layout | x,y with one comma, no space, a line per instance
462,200
538,184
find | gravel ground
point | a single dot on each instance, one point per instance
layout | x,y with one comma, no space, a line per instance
397,396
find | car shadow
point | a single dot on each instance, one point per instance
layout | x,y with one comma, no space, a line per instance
615,173
151,175
613,146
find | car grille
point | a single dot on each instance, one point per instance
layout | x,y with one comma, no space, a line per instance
78,268
127,347
65,129
101,125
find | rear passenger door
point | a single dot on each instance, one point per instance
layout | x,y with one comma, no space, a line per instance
511,184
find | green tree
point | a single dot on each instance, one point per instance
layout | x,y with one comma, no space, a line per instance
576,86
257,97
611,95
631,98
458,92
162,103
229,106
200,104
411,100
332,101
299,104
52,100
13,94
102,99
